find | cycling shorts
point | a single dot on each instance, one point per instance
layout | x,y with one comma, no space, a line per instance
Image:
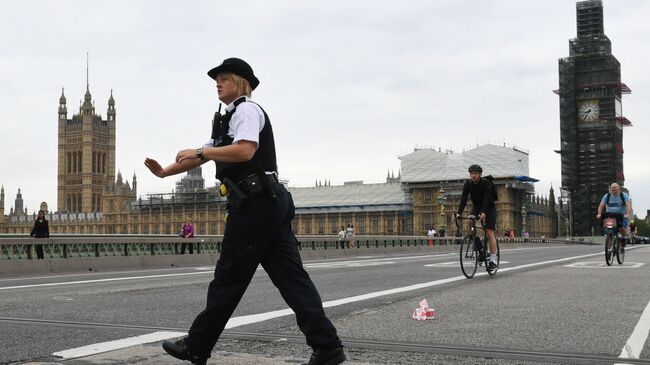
490,217
620,221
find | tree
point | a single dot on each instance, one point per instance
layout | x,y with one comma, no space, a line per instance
642,227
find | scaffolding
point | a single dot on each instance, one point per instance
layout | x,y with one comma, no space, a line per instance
591,148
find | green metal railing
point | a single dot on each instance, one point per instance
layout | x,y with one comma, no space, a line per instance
21,248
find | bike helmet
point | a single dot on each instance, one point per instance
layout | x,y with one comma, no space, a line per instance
475,167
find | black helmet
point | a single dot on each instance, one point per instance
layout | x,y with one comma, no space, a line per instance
476,168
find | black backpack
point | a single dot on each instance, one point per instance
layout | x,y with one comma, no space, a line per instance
622,198
495,194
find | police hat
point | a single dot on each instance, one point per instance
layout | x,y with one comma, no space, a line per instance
238,67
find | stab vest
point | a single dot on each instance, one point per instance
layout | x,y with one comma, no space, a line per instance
264,157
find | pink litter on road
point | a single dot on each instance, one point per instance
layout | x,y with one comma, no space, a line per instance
424,312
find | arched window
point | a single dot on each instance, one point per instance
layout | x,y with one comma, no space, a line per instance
79,163
74,203
94,166
69,206
74,162
103,163
68,162
78,202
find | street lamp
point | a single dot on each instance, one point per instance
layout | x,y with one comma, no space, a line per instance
442,200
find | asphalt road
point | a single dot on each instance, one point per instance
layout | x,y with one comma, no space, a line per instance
547,304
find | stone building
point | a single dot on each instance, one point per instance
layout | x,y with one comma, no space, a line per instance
433,179
425,193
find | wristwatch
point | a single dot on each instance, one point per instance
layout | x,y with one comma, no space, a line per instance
199,153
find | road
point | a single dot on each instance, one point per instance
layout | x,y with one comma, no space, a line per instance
547,304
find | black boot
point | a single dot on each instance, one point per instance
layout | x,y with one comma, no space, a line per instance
180,350
326,357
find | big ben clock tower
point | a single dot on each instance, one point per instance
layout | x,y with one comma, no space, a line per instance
591,118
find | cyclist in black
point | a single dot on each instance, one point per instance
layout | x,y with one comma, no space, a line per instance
483,206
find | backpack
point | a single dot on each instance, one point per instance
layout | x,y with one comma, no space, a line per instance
495,194
622,198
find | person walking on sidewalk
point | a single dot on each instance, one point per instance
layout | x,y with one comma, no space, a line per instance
258,226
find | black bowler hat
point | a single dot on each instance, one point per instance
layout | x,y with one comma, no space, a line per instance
238,67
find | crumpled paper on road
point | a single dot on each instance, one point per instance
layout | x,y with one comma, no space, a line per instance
424,312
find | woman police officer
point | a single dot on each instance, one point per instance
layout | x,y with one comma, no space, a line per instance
258,228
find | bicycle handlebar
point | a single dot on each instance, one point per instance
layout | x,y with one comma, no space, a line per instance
469,217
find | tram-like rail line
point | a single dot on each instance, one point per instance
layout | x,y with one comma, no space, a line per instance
457,350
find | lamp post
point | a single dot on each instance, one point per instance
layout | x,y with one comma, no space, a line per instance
442,200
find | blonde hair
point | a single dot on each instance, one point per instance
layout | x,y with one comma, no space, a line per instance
242,85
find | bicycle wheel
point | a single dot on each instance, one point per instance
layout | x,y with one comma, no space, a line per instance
609,250
468,257
492,272
620,251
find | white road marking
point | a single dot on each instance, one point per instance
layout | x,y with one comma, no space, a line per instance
206,270
104,280
98,348
456,263
602,264
260,317
348,264
634,344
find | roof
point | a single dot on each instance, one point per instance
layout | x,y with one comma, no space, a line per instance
348,195
428,164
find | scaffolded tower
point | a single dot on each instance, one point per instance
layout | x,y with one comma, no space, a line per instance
591,119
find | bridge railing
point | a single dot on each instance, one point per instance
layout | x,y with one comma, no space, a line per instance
86,246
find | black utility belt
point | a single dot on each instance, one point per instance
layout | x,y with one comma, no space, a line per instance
251,186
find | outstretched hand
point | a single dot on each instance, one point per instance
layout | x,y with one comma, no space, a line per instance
189,154
154,166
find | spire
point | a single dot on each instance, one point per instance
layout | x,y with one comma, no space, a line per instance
111,101
87,78
87,104
62,99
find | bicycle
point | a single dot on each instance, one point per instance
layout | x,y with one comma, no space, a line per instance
473,249
613,239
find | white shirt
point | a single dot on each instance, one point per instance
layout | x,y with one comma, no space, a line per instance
246,123
431,233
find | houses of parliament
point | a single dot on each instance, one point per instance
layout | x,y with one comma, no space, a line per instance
92,199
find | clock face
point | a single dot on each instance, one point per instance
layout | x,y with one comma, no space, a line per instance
589,110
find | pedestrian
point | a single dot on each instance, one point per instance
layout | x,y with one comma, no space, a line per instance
431,233
349,233
258,225
342,237
40,230
187,232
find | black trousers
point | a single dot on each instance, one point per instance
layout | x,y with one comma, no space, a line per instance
259,232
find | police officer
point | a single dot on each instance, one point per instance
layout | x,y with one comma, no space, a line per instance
258,227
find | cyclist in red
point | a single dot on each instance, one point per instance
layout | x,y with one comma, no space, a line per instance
483,206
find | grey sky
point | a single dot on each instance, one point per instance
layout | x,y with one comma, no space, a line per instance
349,85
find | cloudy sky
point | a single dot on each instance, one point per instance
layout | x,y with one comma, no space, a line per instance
349,85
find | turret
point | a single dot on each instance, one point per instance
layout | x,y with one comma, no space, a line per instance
63,109
135,185
19,202
2,203
87,107
111,108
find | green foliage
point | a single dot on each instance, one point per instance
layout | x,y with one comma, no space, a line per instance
642,227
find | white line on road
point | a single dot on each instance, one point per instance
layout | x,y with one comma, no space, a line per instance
260,317
210,270
635,343
116,345
104,280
